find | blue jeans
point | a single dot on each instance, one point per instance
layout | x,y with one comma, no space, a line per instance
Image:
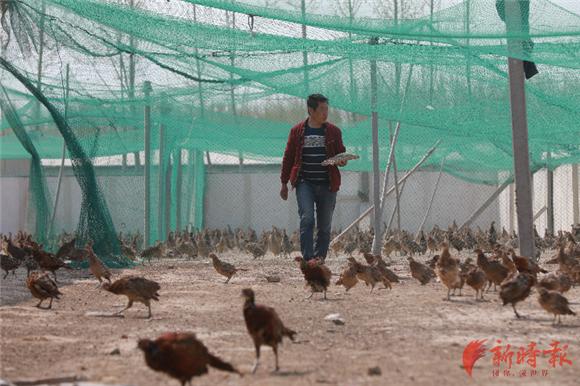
308,194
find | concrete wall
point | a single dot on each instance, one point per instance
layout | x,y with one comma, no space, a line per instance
252,199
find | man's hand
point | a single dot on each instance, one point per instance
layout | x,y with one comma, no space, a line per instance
284,192
341,163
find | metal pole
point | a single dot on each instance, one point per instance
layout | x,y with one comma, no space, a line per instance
512,206
487,203
59,181
147,172
160,183
178,190
550,196
391,190
520,134
575,206
376,171
432,198
305,53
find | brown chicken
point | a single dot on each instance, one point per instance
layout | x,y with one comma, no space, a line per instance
476,279
495,272
516,288
381,265
447,269
65,250
42,287
137,289
225,269
9,263
264,326
155,251
554,302
369,274
420,271
48,261
96,266
348,278
525,264
556,281
181,356
316,274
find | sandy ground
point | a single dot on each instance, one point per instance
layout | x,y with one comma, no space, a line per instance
411,333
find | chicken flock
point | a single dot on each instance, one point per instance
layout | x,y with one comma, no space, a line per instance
434,256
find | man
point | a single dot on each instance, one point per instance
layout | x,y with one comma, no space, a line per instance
310,142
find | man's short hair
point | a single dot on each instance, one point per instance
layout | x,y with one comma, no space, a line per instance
315,99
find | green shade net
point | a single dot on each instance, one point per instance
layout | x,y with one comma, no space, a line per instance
230,77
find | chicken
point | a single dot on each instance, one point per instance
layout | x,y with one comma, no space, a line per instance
554,302
255,249
381,265
223,268
48,261
369,274
348,278
476,279
516,288
96,266
420,271
9,263
556,282
447,269
495,272
65,249
154,251
137,289
525,264
181,356
42,287
264,326
316,274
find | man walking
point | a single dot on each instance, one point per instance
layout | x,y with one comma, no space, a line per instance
309,143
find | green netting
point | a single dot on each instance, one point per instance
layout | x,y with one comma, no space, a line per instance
230,77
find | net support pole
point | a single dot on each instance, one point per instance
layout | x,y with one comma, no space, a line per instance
550,197
432,198
305,53
160,184
63,156
391,190
511,209
376,171
575,198
178,189
522,173
486,204
147,164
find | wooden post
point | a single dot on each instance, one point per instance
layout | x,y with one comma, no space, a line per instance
147,171
520,134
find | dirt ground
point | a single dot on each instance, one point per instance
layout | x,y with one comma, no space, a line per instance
411,333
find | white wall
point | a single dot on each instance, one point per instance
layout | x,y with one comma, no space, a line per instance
228,192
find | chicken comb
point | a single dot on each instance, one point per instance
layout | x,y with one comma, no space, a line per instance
474,351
